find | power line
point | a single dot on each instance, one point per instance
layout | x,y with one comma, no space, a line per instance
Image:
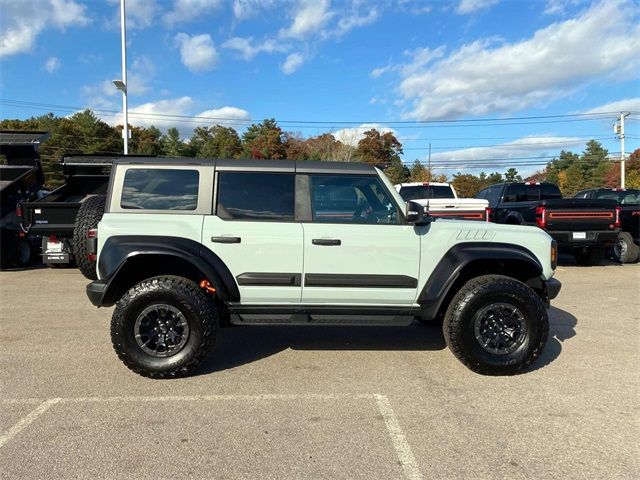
316,123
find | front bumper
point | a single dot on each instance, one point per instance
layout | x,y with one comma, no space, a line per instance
96,291
553,287
568,239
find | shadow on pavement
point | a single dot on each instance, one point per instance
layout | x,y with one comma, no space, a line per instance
240,345
561,327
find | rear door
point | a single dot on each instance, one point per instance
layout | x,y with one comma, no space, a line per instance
255,233
356,248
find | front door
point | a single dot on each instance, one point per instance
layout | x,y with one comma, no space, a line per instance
356,248
254,232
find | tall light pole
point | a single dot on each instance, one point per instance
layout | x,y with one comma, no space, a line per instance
122,84
619,128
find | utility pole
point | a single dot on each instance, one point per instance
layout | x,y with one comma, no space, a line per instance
122,84
619,130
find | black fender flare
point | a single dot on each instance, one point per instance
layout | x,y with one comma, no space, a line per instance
118,250
457,258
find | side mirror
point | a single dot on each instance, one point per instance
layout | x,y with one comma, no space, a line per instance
416,213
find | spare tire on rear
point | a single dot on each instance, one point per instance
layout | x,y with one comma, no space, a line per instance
89,214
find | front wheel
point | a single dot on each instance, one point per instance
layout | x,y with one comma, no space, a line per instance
164,327
625,250
496,325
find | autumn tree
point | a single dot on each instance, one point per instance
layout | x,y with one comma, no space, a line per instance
396,171
215,142
467,185
377,148
263,140
145,141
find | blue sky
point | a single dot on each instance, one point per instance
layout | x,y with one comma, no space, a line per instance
370,63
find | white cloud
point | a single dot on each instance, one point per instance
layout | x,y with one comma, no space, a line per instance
248,49
355,20
197,52
103,94
310,17
292,63
52,64
420,57
523,147
352,135
159,114
558,7
140,13
465,7
231,116
488,76
626,105
186,10
22,21
244,9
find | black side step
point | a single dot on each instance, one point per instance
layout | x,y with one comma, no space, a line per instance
321,315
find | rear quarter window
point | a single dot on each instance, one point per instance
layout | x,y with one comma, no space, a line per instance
160,189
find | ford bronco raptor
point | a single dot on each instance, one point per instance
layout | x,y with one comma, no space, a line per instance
186,246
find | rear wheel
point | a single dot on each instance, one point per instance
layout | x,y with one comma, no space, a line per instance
589,256
164,327
496,325
625,250
89,215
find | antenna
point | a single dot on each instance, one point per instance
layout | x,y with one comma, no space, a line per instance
430,178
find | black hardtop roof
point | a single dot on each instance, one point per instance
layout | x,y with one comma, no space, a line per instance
22,137
301,166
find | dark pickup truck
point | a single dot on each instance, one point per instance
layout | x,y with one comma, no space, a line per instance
21,179
582,227
64,217
627,248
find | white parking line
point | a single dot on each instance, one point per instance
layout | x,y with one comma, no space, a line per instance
398,438
27,419
403,449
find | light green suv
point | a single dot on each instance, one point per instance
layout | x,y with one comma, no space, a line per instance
186,246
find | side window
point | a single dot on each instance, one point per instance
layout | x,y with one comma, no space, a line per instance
160,189
256,196
549,191
351,199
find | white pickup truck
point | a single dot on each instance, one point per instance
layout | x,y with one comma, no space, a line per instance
443,202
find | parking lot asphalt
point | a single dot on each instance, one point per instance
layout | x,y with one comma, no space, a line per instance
319,402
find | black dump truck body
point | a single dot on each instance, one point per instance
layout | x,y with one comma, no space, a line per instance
584,227
627,249
21,179
54,216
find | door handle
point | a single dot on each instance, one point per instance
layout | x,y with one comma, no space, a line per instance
327,242
226,239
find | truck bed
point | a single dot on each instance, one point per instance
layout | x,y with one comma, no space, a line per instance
56,213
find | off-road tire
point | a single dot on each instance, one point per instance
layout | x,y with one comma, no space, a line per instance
589,256
196,306
458,327
89,214
630,251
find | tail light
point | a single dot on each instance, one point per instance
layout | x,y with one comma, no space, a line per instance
19,210
92,233
541,216
488,212
617,223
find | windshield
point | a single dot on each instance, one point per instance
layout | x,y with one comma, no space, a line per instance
392,190
623,197
419,192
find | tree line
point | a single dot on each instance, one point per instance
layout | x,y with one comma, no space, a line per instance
84,133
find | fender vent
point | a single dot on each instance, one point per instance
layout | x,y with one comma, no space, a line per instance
475,235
